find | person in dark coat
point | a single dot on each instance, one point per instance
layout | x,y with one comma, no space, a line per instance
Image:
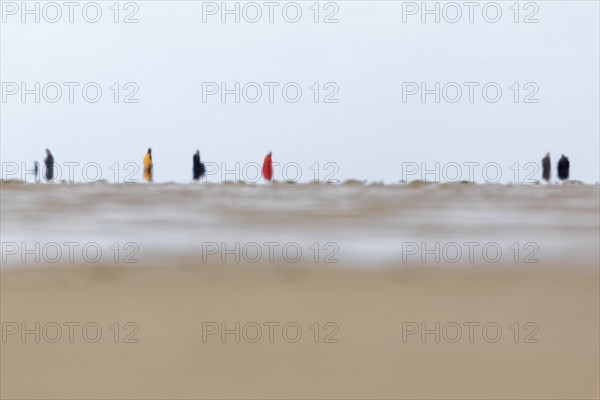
49,161
198,166
563,168
546,167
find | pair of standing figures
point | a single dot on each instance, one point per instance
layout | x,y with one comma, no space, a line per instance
48,163
562,167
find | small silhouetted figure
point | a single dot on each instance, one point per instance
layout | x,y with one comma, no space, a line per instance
546,167
148,166
49,162
36,171
267,169
563,168
198,166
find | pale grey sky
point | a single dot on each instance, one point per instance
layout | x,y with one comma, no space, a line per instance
367,55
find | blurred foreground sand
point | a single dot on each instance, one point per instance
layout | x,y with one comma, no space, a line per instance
363,302
370,360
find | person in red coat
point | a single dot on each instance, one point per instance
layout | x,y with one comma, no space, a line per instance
267,169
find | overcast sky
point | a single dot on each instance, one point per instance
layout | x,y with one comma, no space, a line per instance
367,62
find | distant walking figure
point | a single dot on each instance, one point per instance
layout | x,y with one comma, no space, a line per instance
198,166
49,161
148,166
563,168
267,169
546,167
36,171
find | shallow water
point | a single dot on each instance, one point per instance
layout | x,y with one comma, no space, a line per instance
351,225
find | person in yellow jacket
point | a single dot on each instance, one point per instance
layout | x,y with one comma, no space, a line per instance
148,167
